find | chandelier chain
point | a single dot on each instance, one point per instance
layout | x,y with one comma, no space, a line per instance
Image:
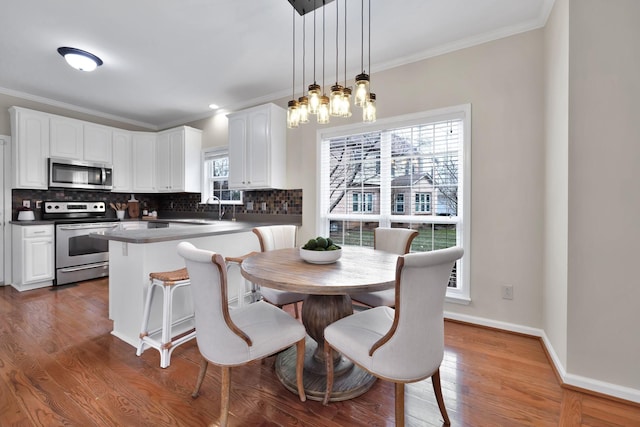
293,65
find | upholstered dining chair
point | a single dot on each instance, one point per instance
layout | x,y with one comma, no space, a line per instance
394,240
232,338
405,344
272,237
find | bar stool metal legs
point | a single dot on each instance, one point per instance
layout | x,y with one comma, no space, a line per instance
165,343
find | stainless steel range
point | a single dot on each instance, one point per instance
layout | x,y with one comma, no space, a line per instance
78,256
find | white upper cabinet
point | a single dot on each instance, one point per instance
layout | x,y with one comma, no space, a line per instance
143,162
78,140
257,148
30,132
178,160
98,142
143,153
67,140
121,144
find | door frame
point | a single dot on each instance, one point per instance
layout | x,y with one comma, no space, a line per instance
5,210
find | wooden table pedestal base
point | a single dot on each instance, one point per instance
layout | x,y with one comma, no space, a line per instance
349,380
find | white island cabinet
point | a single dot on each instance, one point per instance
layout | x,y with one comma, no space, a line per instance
130,264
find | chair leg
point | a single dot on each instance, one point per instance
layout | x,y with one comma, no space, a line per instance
165,343
295,309
203,370
224,395
435,380
328,357
145,319
399,404
300,369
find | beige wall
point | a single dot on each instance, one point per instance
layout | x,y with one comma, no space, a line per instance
604,200
556,47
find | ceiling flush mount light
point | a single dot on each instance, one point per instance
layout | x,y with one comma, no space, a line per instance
80,59
338,103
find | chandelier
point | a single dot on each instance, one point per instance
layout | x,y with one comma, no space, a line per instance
315,102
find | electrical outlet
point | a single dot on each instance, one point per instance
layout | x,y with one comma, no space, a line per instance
26,204
507,291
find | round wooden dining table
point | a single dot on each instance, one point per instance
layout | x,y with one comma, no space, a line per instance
327,287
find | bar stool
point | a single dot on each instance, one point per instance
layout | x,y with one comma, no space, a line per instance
231,261
168,281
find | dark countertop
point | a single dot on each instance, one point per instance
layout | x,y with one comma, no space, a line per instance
177,230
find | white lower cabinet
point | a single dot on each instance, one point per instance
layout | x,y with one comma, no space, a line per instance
33,257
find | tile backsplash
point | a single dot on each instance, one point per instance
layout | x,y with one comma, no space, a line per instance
274,202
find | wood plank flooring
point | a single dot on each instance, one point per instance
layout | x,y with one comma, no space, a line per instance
59,365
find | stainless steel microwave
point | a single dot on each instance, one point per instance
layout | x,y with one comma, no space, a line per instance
65,173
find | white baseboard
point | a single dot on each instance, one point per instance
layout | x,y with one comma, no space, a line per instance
597,386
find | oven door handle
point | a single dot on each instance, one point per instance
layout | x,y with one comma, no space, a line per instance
86,227
72,269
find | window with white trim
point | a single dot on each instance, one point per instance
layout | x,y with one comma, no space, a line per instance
423,158
216,178
362,202
399,203
423,202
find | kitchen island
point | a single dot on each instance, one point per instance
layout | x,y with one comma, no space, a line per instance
136,252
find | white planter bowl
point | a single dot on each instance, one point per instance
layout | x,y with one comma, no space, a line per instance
320,257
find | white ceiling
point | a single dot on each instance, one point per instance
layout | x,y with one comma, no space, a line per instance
165,61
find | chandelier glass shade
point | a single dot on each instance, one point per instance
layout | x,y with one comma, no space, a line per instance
338,103
362,89
369,108
303,109
314,98
335,100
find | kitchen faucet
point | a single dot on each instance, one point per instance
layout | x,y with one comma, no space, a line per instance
220,210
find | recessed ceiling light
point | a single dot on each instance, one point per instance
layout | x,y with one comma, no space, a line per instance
214,106
80,59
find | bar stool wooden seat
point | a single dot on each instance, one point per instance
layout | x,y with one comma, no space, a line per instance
162,339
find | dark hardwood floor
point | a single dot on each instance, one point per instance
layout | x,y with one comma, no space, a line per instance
59,365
